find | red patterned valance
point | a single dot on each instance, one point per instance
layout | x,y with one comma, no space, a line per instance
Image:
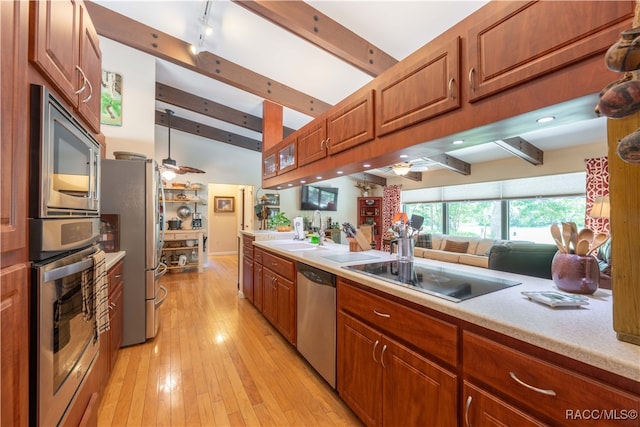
597,185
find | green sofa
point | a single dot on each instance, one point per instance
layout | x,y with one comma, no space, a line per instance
530,259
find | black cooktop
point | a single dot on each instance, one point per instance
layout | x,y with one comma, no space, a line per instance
447,283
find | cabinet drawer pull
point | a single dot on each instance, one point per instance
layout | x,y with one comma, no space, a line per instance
375,345
466,411
530,387
381,314
452,95
384,348
274,264
471,71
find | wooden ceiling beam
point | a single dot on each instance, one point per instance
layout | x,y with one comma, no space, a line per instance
522,148
452,163
134,34
367,177
210,108
195,128
310,24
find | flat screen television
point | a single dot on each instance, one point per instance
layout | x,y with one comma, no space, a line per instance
318,198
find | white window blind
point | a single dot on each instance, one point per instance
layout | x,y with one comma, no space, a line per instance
541,186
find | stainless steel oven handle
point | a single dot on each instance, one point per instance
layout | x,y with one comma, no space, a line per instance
161,300
67,270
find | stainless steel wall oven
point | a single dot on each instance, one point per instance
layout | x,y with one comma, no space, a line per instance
64,338
64,225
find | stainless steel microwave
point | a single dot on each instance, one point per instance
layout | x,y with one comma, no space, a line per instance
65,162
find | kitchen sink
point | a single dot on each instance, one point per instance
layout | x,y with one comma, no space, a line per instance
295,245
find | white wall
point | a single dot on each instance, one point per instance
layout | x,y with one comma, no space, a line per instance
138,71
223,226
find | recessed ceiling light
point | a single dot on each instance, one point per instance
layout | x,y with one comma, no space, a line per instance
366,165
339,172
546,119
458,142
404,156
278,188
318,177
289,185
302,181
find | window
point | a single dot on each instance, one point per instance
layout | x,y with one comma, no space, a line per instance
431,212
474,219
530,219
525,219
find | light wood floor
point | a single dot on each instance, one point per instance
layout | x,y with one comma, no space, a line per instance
216,362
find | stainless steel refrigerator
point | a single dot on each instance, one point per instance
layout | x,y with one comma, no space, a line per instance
133,190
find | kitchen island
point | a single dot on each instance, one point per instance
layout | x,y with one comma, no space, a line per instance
574,346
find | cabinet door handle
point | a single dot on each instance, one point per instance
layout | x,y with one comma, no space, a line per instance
471,72
466,411
452,95
384,348
84,101
322,144
84,81
375,345
530,387
326,143
381,314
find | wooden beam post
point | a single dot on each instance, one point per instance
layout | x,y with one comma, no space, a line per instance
271,125
625,233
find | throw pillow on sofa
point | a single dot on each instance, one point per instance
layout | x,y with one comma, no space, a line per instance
452,246
423,241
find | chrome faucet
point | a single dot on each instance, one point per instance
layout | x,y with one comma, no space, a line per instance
321,227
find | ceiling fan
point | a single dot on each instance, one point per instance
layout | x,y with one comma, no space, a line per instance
169,165
417,165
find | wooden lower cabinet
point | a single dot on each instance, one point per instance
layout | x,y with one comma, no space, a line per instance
258,290
482,409
385,382
14,342
116,283
248,278
279,303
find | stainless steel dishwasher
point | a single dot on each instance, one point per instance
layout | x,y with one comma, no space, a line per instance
316,304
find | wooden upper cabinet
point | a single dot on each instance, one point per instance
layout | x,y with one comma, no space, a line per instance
90,62
14,109
55,41
423,87
287,156
520,41
65,48
269,164
312,142
351,125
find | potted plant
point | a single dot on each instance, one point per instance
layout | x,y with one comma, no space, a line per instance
280,222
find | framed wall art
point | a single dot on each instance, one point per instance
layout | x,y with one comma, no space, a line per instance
223,204
111,99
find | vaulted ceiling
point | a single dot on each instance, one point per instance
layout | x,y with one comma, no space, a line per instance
305,56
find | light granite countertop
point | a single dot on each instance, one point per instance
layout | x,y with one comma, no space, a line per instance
585,334
112,258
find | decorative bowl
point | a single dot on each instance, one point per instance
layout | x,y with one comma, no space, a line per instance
369,202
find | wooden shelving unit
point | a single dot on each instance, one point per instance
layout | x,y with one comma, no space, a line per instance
370,213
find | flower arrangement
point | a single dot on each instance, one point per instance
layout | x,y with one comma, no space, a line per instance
365,187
